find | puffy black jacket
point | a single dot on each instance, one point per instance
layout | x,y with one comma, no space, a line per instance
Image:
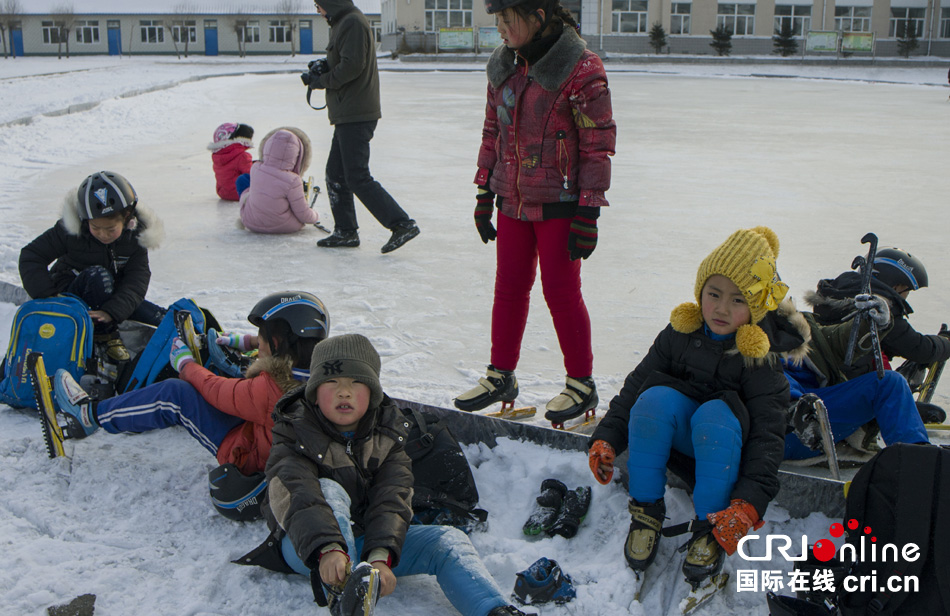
70,247
352,83
705,369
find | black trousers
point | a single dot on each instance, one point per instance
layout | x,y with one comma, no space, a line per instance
348,174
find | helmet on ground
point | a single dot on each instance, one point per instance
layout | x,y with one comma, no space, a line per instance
894,266
105,193
235,495
304,312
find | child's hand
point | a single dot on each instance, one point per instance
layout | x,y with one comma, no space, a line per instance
601,458
245,342
180,354
100,316
875,307
333,567
387,579
733,523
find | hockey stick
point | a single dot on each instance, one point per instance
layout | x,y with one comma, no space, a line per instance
866,266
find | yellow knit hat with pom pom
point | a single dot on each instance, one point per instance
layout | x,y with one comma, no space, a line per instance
747,258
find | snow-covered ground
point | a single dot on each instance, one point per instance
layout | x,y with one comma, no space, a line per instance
822,158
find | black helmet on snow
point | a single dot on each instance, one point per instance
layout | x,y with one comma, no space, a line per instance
105,193
894,266
304,312
235,495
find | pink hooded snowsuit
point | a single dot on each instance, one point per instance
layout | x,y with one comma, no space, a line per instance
275,201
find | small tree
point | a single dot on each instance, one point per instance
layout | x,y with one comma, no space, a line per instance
10,11
240,28
722,40
906,37
657,37
289,9
784,41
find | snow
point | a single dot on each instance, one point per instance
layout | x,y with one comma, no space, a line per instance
822,157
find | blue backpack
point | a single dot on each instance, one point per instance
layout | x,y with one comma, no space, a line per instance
58,327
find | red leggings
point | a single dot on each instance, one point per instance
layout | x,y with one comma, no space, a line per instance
520,247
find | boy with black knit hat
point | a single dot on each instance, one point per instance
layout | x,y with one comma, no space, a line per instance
709,399
340,487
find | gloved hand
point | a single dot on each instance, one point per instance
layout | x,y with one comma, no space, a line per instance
733,523
583,236
875,307
180,354
241,342
601,458
484,207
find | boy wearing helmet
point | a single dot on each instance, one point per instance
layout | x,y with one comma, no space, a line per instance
99,252
230,417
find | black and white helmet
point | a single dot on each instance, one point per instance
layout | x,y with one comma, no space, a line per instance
105,193
304,312
235,495
894,266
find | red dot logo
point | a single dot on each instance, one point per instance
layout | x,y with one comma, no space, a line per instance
836,530
853,524
824,550
867,530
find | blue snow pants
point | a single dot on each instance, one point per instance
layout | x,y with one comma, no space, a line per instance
168,403
442,551
663,419
854,403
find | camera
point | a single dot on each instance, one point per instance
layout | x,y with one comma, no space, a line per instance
315,68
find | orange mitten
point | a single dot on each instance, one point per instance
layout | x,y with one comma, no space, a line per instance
733,523
601,458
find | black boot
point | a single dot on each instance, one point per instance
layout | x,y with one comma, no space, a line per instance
803,420
402,233
931,413
643,539
340,239
497,386
578,397
573,511
546,508
704,558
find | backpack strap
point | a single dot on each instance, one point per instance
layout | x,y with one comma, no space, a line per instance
426,437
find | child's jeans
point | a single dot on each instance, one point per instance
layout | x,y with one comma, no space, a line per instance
854,403
442,551
95,285
663,419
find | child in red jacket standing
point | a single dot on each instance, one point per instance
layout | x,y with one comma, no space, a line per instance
230,157
544,163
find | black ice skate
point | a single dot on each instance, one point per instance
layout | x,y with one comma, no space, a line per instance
359,593
809,420
643,540
546,507
704,558
579,397
496,386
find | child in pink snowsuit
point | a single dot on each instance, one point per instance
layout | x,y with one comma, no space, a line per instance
276,201
230,157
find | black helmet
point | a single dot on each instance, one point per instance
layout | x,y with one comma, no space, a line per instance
105,193
894,266
304,312
235,495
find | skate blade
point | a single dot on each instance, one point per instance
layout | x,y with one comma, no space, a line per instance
510,412
372,593
187,333
585,425
937,427
700,596
42,390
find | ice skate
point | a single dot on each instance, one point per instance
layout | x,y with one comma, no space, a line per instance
579,397
113,347
643,539
703,570
75,404
359,593
496,386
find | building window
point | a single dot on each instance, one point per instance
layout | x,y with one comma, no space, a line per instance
51,33
185,31
945,22
679,17
739,18
797,16
448,14
211,24
87,32
904,17
629,16
853,18
153,31
252,32
279,32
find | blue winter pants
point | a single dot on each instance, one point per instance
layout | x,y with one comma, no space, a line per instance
663,419
854,403
442,551
95,285
168,403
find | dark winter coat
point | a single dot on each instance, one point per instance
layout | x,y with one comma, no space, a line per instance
71,248
230,159
829,345
548,131
833,300
352,83
705,369
372,467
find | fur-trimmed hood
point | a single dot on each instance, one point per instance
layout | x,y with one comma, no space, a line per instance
550,72
279,368
833,299
149,227
220,145
303,157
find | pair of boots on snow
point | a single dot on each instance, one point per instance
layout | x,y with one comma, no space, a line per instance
557,510
578,396
704,555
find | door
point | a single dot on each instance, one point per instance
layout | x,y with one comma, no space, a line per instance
114,34
306,37
211,37
16,38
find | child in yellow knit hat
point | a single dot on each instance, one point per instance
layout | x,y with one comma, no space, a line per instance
710,400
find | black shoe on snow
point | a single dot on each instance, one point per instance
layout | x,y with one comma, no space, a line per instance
704,558
496,386
340,239
546,508
931,413
643,539
573,511
578,397
543,582
359,593
803,419
402,233
508,610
